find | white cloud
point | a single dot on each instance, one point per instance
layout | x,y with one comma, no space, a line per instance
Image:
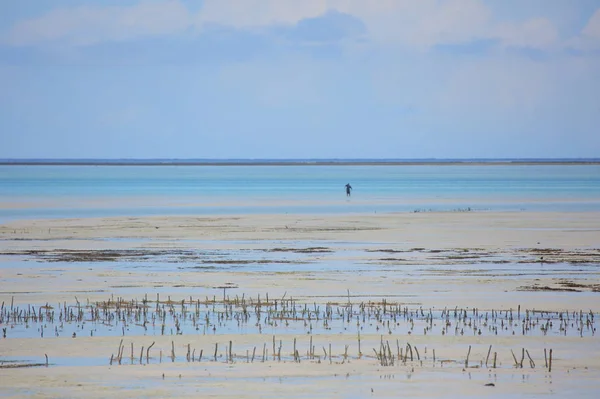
92,24
420,23
412,23
259,13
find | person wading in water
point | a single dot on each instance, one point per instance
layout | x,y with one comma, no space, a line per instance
348,189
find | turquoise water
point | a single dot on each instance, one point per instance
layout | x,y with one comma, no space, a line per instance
77,191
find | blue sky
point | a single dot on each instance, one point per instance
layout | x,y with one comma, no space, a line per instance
299,79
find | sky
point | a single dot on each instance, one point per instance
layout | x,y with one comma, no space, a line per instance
300,79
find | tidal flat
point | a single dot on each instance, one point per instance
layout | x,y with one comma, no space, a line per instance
428,304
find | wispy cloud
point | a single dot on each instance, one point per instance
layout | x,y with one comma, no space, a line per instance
415,24
87,25
589,39
248,14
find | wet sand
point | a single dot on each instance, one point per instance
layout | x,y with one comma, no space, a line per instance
487,230
484,260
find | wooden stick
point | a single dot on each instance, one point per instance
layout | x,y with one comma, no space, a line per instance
119,351
531,362
514,357
488,356
148,352
522,356
467,361
550,362
389,351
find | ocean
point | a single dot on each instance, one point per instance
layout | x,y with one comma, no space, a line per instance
71,191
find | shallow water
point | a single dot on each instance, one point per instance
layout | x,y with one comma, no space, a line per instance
207,318
99,191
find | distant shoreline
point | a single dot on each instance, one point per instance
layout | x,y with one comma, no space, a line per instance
316,162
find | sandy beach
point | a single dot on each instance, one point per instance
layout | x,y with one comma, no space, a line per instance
391,270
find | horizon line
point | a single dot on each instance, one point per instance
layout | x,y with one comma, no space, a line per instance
289,161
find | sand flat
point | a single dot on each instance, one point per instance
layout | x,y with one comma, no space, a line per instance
489,260
428,229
